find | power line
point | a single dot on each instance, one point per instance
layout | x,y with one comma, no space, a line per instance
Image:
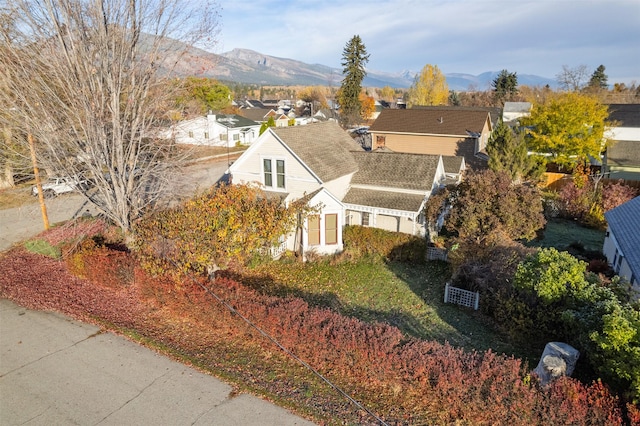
285,350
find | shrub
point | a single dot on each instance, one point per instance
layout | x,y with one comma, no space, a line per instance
366,241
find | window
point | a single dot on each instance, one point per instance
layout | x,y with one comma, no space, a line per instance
380,141
314,230
268,177
224,136
236,136
280,173
190,134
206,135
268,167
365,219
331,229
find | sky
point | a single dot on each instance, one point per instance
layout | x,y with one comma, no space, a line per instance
536,37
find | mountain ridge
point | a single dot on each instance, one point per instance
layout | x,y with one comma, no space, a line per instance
251,67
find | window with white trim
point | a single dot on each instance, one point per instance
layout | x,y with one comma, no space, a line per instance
365,218
271,167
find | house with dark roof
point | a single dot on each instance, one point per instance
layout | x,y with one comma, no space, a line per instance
215,130
389,190
321,164
622,241
622,157
262,115
449,131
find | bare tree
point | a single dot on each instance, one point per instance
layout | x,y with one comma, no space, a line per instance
89,80
572,79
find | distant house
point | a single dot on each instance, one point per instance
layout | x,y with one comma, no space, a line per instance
512,112
322,165
215,130
447,131
262,115
622,158
622,241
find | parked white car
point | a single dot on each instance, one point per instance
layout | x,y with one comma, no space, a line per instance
59,185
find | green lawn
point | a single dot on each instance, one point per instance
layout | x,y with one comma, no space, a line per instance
561,233
409,296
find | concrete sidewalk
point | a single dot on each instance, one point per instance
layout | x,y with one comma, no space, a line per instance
57,371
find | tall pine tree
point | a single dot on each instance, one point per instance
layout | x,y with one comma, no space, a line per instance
354,59
505,86
598,79
507,152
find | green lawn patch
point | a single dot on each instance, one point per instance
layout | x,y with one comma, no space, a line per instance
562,233
408,296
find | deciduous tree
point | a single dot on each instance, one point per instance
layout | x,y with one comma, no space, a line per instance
367,106
428,88
572,79
89,81
199,95
354,60
568,128
487,207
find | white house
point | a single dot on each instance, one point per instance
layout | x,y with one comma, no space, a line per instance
622,241
215,130
322,164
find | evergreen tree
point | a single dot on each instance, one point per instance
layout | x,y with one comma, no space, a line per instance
507,152
505,85
598,79
354,59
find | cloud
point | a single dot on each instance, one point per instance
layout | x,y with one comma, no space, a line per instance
467,36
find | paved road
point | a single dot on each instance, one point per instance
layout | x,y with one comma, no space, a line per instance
56,371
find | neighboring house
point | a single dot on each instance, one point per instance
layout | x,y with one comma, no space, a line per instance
322,164
512,112
262,115
622,241
449,131
215,130
622,158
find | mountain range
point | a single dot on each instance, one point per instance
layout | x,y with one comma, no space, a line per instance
248,66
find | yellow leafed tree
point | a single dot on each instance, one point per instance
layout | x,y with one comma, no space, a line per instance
429,88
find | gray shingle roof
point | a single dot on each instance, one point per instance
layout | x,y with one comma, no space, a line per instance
627,115
624,153
395,170
234,121
452,163
431,121
624,222
324,147
255,114
384,199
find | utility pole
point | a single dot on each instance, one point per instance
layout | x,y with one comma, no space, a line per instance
36,172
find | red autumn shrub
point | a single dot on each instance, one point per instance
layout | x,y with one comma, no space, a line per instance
405,380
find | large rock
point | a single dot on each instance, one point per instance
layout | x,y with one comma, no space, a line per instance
558,359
